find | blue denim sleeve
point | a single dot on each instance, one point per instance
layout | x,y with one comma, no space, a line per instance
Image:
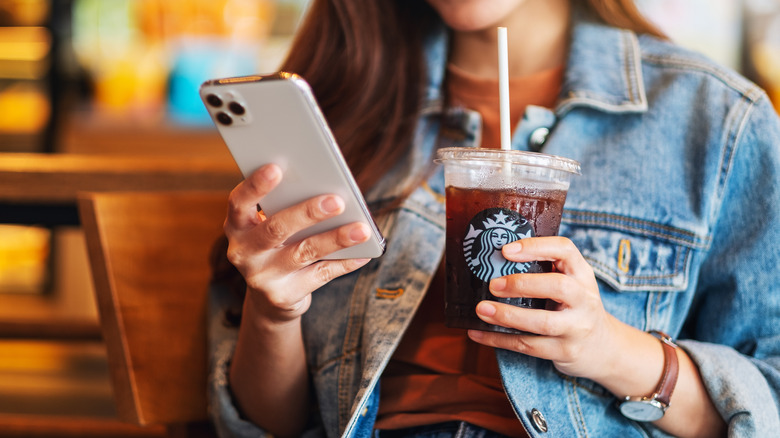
222,341
736,316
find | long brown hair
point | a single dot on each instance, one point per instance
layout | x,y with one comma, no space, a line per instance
624,14
364,61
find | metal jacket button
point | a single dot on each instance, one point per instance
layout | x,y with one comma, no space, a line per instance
539,422
537,138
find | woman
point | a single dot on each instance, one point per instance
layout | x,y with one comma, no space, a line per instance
669,228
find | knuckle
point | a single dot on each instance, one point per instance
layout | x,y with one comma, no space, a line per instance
324,272
313,211
254,183
570,247
275,229
571,352
233,207
585,327
235,256
505,315
518,282
327,271
563,288
565,241
519,344
589,273
547,326
304,253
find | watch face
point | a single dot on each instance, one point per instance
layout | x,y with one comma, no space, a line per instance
642,410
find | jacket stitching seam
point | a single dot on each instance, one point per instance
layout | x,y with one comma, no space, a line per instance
572,390
627,58
575,382
679,269
612,279
751,93
654,308
422,215
683,237
731,151
613,272
637,62
632,69
351,342
331,361
644,232
620,218
592,100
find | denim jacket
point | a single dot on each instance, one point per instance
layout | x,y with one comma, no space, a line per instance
677,210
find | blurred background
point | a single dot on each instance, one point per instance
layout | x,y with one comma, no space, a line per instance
120,78
98,78
126,61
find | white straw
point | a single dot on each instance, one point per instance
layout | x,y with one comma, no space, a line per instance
503,89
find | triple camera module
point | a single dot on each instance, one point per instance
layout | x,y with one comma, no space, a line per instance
224,117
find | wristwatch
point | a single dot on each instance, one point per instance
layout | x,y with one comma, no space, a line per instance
653,407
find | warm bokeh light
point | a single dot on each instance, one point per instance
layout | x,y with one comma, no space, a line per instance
24,255
150,56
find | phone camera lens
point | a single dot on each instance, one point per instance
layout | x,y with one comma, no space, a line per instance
236,108
224,119
214,100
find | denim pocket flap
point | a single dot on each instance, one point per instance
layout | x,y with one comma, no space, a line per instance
647,258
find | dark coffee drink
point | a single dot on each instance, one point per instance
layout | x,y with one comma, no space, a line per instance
495,197
479,223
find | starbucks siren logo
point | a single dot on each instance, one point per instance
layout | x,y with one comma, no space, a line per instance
488,232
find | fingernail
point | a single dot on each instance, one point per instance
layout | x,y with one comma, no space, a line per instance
513,248
498,284
358,233
270,173
486,308
476,335
360,262
330,204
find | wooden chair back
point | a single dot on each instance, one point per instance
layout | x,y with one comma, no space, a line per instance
149,254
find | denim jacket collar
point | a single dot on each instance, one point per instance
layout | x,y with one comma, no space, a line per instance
604,70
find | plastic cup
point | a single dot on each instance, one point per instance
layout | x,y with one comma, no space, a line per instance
494,197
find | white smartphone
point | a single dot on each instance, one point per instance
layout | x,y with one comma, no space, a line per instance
275,119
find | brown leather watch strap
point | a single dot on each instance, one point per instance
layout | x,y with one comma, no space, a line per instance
671,369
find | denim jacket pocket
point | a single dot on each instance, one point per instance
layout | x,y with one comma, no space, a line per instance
631,255
641,266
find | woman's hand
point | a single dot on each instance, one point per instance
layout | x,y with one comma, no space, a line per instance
576,333
281,277
583,340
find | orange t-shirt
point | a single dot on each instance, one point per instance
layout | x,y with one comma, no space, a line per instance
481,95
438,374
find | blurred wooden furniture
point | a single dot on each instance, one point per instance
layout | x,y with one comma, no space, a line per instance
45,426
42,188
149,255
64,308
95,132
56,389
